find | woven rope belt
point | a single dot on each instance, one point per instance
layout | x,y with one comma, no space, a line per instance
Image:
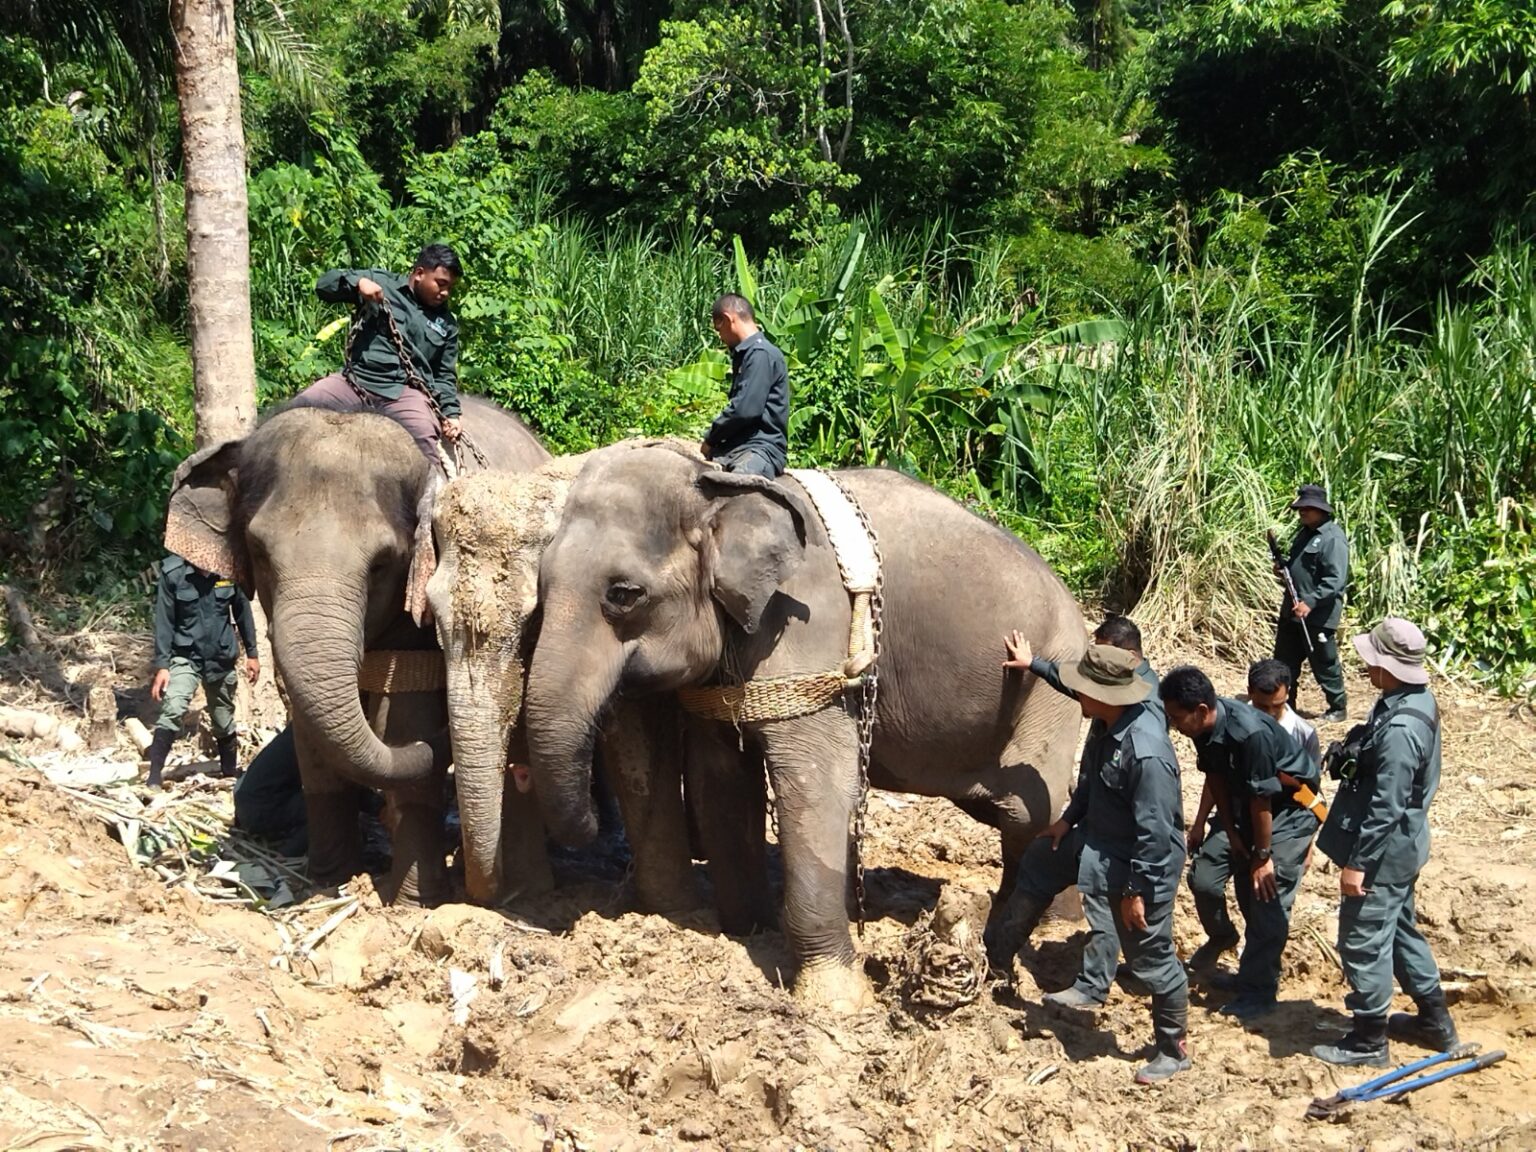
393,672
785,697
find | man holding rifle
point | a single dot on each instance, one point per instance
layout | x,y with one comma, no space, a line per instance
1264,788
1314,576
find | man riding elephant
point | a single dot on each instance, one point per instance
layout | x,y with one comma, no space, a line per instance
403,356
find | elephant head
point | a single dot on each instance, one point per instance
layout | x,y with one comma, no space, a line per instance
491,530
656,552
326,517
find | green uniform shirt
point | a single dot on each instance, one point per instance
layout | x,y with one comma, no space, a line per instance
1319,565
1249,749
1379,820
431,336
1131,813
196,614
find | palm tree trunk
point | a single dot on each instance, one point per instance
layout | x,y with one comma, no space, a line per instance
218,236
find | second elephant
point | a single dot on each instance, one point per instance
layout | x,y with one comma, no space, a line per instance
491,531
666,572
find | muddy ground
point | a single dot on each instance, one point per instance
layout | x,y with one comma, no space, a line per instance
135,1013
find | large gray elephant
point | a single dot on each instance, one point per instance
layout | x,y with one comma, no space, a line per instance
664,566
491,530
327,516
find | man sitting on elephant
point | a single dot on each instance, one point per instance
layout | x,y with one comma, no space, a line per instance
752,434
415,380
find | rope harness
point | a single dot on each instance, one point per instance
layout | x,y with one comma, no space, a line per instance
738,702
453,455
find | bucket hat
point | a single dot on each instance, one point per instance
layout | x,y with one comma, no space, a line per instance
1107,674
1312,496
1395,645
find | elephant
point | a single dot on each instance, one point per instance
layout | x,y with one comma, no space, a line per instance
327,517
665,569
490,532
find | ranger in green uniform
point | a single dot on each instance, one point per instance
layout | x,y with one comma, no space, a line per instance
419,305
1049,867
196,615
1243,754
1319,567
1132,819
1378,834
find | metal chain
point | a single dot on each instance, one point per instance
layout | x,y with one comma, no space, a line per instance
412,379
868,698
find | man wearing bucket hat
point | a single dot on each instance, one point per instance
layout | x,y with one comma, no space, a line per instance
1049,867
1377,832
1132,819
1319,567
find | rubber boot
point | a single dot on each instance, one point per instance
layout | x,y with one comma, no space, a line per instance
229,764
1364,1045
1020,917
159,749
1430,1027
1170,1025
1221,933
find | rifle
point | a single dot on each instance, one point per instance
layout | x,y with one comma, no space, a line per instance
1290,585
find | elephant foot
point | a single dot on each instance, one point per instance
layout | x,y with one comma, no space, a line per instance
663,899
830,986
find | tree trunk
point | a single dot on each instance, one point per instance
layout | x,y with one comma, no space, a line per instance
218,236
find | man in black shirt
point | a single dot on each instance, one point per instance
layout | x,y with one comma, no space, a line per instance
1254,770
752,434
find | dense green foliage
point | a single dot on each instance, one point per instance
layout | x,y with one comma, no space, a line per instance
1119,275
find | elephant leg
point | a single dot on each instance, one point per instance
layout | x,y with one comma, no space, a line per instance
1023,802
524,856
331,806
418,873
643,755
813,762
726,788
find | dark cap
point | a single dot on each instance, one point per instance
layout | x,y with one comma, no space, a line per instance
1312,496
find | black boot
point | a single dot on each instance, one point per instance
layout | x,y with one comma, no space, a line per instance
1012,928
159,749
1170,1020
1430,1027
229,750
1364,1045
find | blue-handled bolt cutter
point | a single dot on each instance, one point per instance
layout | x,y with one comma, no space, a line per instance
1462,1058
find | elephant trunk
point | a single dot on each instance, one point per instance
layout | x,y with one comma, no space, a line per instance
569,685
492,684
317,641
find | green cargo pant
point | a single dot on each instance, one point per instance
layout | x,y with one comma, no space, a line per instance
218,686
1379,938
1291,650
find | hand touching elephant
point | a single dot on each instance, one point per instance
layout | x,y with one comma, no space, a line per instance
663,563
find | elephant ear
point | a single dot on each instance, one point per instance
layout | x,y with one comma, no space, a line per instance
423,552
756,537
200,516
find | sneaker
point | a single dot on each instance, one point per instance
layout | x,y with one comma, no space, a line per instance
1162,1067
1335,716
1073,1000
1248,1007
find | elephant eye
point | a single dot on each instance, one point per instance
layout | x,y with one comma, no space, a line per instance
623,596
